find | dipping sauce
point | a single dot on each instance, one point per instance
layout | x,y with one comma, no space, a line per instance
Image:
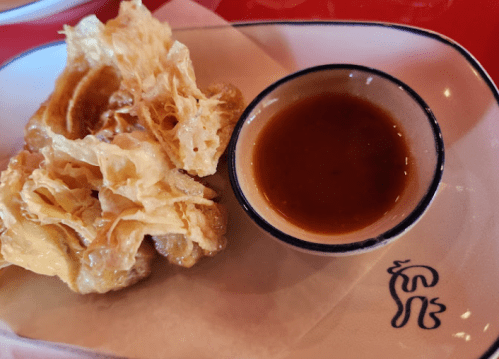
332,163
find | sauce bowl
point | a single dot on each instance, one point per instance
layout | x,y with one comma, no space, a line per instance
412,116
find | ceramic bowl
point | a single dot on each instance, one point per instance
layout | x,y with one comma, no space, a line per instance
413,116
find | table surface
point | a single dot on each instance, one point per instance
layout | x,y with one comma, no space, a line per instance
474,24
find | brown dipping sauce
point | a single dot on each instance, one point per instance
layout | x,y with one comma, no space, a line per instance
332,163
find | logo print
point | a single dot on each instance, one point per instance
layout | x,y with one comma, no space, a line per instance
407,279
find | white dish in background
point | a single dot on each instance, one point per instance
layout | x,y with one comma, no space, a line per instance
13,11
352,307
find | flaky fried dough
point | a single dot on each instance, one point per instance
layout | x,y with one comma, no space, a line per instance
109,159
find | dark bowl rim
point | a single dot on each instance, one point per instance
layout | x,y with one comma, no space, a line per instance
347,248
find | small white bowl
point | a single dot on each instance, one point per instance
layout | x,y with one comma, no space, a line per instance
413,115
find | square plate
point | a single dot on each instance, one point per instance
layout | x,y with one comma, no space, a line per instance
434,293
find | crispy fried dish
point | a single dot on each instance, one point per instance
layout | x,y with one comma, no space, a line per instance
108,175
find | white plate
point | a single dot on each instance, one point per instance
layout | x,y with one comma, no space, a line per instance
453,250
12,11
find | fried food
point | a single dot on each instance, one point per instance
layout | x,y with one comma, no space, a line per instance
109,175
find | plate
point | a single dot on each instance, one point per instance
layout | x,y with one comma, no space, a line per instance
432,294
12,11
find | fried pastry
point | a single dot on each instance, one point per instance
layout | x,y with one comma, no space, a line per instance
109,175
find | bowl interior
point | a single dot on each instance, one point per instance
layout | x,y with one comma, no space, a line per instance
412,117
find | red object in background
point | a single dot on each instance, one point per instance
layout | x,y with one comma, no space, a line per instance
472,23
17,38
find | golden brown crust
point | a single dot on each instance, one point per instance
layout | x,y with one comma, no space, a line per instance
231,107
90,100
101,281
181,250
110,159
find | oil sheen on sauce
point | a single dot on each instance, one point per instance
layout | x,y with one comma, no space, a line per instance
331,163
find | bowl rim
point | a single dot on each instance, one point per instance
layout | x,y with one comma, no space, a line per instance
343,248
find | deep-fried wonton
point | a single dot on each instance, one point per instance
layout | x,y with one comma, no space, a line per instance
104,181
